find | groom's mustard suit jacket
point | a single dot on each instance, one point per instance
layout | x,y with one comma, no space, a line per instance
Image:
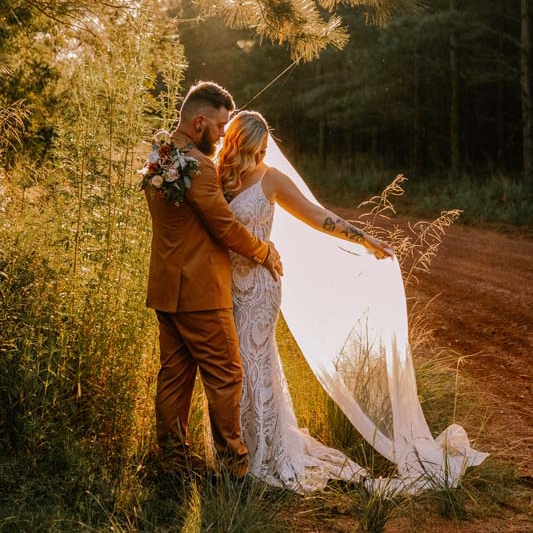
189,263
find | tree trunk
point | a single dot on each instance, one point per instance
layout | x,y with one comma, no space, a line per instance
417,118
322,141
355,149
525,81
455,146
500,134
374,142
348,140
321,121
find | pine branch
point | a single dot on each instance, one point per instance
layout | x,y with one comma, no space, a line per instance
299,24
295,23
381,11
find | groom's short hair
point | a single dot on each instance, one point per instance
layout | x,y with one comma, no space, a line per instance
206,94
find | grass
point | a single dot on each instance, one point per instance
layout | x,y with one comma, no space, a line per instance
79,359
373,509
235,507
39,498
74,462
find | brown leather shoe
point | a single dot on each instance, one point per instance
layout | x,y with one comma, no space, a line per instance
179,461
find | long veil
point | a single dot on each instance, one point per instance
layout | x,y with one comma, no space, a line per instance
347,312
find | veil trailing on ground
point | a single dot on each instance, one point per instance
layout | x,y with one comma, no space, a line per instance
348,315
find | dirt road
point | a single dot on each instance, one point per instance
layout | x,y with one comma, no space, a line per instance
484,309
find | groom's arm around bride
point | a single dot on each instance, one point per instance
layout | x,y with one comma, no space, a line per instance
206,196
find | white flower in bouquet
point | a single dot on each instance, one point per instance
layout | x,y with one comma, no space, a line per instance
179,160
172,175
153,157
157,181
162,136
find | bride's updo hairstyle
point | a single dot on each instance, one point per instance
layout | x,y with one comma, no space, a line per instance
241,151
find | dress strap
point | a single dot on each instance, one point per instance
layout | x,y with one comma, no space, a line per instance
263,174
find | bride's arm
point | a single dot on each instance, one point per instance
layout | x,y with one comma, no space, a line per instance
281,188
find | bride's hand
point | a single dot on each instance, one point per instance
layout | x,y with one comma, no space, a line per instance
380,249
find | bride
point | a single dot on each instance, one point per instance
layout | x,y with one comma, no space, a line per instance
280,453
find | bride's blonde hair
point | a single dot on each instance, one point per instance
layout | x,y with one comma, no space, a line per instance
241,151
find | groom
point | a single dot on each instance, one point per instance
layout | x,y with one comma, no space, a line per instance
189,286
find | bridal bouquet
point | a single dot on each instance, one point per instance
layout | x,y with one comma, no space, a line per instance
168,169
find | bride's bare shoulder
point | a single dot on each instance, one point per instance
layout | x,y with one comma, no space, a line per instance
276,177
276,183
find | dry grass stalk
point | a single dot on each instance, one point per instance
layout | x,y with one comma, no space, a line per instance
416,247
13,123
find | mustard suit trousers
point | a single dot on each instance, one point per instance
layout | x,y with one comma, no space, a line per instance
206,340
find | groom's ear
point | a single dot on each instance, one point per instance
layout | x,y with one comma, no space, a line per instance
198,123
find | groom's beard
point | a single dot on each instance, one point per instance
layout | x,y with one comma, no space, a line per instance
206,144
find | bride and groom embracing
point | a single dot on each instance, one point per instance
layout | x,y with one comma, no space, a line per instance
214,282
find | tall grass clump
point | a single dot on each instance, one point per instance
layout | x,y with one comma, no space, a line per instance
416,246
77,344
374,508
234,507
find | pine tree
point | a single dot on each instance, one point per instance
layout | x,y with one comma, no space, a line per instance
525,72
455,141
301,24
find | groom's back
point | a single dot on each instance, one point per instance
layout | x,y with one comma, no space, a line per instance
189,269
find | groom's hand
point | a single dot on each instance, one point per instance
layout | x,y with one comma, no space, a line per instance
273,262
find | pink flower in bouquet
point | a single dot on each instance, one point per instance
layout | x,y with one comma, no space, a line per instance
172,175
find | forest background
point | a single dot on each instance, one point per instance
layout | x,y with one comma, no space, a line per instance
441,95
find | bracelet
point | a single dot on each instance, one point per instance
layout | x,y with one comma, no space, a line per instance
266,256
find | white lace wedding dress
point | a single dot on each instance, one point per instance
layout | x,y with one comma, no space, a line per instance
360,354
281,454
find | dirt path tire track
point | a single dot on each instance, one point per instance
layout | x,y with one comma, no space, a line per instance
484,309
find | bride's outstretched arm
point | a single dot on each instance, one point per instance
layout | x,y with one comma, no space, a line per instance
281,188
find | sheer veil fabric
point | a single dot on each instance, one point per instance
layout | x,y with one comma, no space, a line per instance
347,312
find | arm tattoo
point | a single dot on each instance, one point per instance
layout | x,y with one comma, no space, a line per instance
329,225
351,232
354,234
